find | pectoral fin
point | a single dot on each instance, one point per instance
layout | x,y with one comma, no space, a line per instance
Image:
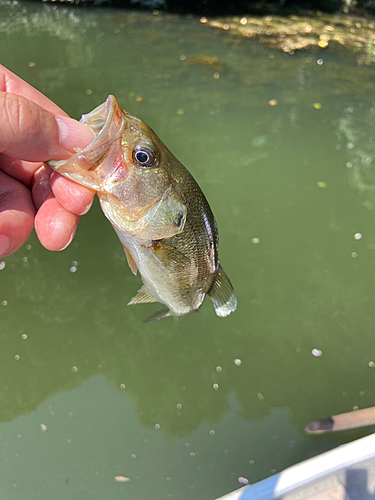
143,296
169,256
165,219
222,294
131,261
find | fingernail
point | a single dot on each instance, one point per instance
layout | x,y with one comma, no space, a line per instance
71,236
5,244
86,209
74,134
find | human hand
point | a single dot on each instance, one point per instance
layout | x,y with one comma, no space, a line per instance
34,130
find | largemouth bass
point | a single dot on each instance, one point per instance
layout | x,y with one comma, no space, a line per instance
157,209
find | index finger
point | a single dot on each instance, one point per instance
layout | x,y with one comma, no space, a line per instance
9,82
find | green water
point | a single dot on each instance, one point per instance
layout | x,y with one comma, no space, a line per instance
87,390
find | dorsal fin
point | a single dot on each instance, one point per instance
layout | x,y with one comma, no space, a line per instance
142,297
222,293
131,261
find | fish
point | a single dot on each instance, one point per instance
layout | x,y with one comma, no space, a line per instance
157,209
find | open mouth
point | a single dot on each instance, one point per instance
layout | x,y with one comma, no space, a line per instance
106,121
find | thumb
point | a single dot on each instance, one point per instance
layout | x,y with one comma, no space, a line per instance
30,132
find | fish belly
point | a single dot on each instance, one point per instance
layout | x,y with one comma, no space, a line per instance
173,283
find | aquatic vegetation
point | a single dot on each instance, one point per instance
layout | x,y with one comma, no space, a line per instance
208,61
305,31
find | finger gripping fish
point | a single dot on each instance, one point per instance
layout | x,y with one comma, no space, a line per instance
157,209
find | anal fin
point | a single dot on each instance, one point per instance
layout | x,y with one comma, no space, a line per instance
222,293
143,296
131,261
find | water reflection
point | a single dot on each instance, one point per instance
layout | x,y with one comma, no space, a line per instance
169,369
288,209
355,134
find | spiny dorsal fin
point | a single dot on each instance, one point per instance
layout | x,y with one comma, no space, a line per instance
222,293
131,261
142,297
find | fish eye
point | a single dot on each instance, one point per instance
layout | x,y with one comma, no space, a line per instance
144,155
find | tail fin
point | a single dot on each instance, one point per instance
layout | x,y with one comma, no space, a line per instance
222,294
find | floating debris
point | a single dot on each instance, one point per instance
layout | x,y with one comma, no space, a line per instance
237,362
31,64
321,184
357,236
43,427
272,102
243,480
317,105
260,396
139,98
122,479
2,265
317,353
354,255
255,241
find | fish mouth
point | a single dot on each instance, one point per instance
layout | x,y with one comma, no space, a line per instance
100,119
107,122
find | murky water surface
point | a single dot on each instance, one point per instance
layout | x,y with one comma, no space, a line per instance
183,408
